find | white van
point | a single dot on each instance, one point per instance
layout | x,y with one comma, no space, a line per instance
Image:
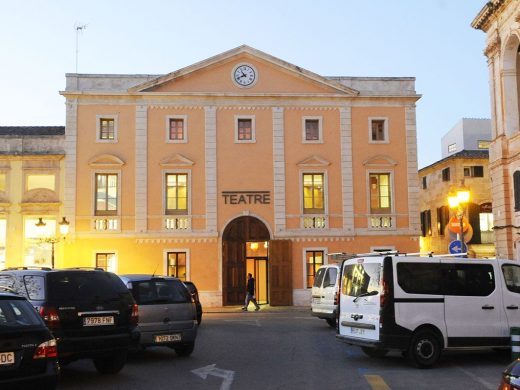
424,305
324,293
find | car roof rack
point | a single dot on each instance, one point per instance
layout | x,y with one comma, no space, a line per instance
8,289
346,256
27,268
87,268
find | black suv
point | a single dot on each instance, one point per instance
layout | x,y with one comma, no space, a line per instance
28,356
90,312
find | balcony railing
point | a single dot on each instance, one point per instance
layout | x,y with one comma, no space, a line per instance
380,222
111,224
177,223
314,222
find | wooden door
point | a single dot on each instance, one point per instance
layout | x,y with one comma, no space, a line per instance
234,273
280,273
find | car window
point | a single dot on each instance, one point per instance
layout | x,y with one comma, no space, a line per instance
361,278
35,286
419,278
319,277
330,277
80,286
17,313
160,291
7,281
512,277
467,279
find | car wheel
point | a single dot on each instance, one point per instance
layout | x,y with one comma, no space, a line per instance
331,322
184,349
111,364
424,350
374,353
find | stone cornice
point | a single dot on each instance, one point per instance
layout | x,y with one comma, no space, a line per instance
493,47
483,19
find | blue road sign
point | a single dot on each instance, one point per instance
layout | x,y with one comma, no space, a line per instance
456,247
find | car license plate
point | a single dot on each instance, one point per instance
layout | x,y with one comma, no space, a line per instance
6,358
166,338
357,331
98,321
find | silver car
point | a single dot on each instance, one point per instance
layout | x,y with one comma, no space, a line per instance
167,313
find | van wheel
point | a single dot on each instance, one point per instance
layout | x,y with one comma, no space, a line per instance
374,353
110,364
331,322
184,349
424,350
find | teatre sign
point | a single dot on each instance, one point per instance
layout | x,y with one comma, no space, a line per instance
246,197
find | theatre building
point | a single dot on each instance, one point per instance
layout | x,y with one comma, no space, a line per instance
239,163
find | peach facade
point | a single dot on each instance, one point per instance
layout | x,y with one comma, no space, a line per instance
354,138
499,20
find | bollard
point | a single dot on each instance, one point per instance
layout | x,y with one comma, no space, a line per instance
515,343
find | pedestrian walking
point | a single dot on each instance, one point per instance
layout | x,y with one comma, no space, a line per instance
250,293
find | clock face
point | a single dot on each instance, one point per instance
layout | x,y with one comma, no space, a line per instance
244,75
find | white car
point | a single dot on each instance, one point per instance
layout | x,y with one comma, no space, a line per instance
324,293
424,305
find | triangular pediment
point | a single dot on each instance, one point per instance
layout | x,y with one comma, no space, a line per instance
106,160
214,75
176,160
380,160
314,161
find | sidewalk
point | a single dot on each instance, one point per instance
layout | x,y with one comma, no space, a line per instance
263,308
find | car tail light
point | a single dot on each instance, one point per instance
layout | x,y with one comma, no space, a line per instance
48,349
383,296
134,319
50,316
507,385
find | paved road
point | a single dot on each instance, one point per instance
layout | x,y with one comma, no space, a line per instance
282,350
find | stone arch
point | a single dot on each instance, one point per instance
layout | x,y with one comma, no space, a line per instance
510,74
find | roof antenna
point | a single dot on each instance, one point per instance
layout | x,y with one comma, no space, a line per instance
78,27
155,270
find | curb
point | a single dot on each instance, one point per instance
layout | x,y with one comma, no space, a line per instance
263,309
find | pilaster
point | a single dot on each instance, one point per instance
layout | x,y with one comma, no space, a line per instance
345,124
278,169
141,175
210,147
70,165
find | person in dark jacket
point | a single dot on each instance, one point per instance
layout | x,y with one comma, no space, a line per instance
250,292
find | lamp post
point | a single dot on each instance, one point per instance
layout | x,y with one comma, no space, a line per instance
53,239
458,201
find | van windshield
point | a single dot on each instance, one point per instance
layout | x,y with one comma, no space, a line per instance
361,278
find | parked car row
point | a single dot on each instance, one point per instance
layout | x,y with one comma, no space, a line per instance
420,306
88,314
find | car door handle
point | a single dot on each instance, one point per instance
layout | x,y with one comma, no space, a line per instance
512,307
487,307
323,296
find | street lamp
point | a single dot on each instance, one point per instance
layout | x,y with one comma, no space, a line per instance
458,201
52,239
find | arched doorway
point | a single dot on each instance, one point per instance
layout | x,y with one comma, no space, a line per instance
245,249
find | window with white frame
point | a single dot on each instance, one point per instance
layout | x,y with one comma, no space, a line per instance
177,264
245,129
378,128
380,193
176,128
312,129
106,261
452,148
106,128
106,194
313,194
176,193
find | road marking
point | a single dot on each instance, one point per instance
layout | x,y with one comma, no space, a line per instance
227,375
376,382
483,382
246,322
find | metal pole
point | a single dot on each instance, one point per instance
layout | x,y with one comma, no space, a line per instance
461,230
52,254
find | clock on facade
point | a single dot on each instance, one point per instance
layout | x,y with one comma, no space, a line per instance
244,75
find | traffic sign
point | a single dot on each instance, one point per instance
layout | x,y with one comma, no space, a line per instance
456,247
454,224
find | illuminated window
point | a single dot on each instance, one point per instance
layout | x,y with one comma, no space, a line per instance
313,193
106,193
483,144
106,261
380,193
176,128
176,193
106,128
314,259
177,264
452,148
245,129
37,253
35,181
312,129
